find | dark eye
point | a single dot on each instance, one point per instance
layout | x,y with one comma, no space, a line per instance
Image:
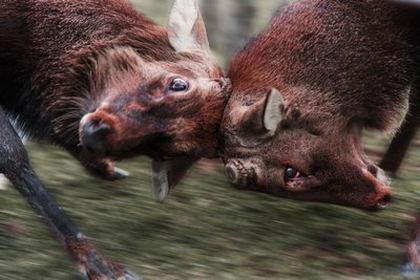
290,173
178,84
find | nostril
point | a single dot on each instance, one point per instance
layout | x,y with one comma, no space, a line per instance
94,133
98,128
384,202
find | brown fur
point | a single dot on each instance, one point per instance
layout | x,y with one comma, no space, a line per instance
97,78
63,60
341,66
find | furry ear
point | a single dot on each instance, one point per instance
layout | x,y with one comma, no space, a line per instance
260,120
265,115
187,31
273,113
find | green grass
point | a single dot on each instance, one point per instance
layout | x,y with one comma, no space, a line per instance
206,229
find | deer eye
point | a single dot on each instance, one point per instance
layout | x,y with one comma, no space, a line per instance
178,85
291,173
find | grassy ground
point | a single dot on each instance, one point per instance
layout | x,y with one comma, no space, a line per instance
206,230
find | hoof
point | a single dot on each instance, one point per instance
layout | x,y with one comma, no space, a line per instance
94,266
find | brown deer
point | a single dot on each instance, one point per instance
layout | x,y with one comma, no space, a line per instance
106,83
307,86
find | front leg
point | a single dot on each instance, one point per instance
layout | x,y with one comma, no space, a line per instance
412,267
3,179
14,164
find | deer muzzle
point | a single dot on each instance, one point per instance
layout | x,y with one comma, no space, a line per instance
241,173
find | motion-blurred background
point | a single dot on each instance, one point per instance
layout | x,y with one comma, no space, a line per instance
207,229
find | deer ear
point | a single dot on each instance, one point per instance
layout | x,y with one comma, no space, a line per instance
259,121
265,115
187,31
167,174
273,113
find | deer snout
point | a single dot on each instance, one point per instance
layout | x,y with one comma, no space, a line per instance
381,201
241,173
382,196
235,173
384,201
93,134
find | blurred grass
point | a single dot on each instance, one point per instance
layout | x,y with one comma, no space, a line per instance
206,229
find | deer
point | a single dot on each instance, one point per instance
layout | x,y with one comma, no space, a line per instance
105,83
306,88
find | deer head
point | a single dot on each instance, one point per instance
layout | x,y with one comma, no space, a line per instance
272,147
168,110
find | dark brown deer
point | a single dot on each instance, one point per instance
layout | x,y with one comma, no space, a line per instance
104,82
307,86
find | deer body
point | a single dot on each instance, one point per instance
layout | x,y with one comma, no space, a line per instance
105,82
338,67
61,60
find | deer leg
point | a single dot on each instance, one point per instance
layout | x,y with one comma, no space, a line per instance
412,265
394,156
3,179
14,164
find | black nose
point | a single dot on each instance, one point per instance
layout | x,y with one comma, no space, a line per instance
93,136
384,202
